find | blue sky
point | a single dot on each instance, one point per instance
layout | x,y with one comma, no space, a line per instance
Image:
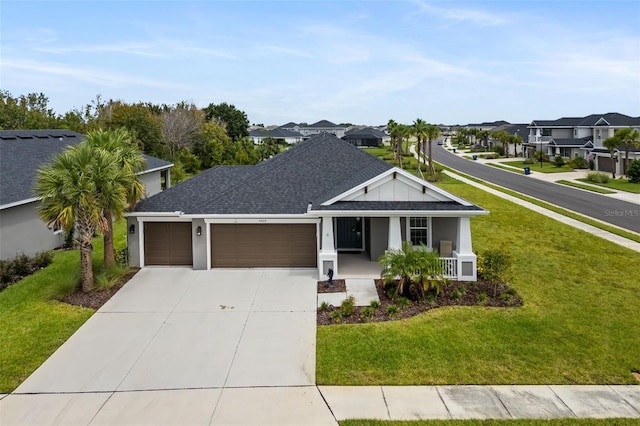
346,61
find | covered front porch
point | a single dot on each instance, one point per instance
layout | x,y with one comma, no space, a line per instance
352,245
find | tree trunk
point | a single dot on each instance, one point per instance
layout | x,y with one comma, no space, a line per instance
109,251
432,171
625,166
613,166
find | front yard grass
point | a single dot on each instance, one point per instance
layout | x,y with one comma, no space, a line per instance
546,167
619,184
578,325
34,325
509,169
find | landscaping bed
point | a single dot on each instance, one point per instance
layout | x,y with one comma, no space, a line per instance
455,293
339,286
95,299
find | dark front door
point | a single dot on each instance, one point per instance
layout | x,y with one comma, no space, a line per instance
349,233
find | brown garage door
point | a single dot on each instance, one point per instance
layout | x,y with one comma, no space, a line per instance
604,164
269,245
167,243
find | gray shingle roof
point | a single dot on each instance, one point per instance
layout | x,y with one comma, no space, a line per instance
399,206
322,124
289,125
313,171
613,118
580,142
277,133
366,133
23,152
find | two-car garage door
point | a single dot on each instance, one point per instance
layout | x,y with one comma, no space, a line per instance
233,245
263,245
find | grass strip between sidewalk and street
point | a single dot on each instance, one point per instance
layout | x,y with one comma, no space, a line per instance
547,167
34,324
577,216
585,187
508,169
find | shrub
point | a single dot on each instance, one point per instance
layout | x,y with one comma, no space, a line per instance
42,260
456,295
374,304
336,316
592,164
498,149
109,277
367,312
122,257
481,297
22,265
6,273
402,303
462,289
634,172
597,177
491,156
506,297
529,160
348,306
558,161
541,156
392,310
324,306
577,163
494,265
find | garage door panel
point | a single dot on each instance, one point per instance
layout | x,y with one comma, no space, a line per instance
168,243
268,245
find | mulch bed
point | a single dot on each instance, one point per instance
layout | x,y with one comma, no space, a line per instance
95,299
469,297
339,286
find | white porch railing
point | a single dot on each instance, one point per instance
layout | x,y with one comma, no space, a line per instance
449,267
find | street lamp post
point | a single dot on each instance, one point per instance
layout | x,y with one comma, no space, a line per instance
540,151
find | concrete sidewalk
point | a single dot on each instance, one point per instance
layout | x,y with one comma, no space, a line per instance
481,402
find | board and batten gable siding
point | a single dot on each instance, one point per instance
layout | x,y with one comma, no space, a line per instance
20,226
398,189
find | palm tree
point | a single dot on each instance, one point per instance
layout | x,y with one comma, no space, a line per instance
407,132
73,189
484,136
396,140
630,139
612,143
120,145
432,132
516,140
420,131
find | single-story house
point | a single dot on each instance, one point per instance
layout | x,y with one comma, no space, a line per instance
367,137
282,136
304,207
22,153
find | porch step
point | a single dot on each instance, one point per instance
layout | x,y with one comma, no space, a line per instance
363,291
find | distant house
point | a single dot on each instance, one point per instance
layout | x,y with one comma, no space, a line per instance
282,136
316,128
368,137
22,153
571,137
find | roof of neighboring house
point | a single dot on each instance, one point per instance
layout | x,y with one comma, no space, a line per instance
488,123
521,130
608,119
313,171
568,142
289,125
275,133
23,152
365,133
323,124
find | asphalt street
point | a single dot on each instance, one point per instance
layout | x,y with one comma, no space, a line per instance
616,212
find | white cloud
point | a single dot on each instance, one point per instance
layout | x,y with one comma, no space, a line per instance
461,14
284,51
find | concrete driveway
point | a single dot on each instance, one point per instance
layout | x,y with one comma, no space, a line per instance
218,339
175,328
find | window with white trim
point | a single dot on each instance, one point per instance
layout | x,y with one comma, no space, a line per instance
419,231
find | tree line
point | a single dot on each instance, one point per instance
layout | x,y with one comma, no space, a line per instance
192,138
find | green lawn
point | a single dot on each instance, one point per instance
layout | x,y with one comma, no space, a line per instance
587,187
546,167
619,184
516,422
33,325
579,323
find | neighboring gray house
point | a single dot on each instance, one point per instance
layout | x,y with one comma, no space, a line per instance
282,136
22,152
309,206
571,137
367,137
322,126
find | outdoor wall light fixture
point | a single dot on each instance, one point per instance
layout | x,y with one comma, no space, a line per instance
132,229
199,231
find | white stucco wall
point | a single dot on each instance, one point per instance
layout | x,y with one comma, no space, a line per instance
151,182
21,230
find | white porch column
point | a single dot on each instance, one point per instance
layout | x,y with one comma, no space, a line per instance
327,256
395,233
466,258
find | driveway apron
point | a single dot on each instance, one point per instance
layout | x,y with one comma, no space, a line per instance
175,328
